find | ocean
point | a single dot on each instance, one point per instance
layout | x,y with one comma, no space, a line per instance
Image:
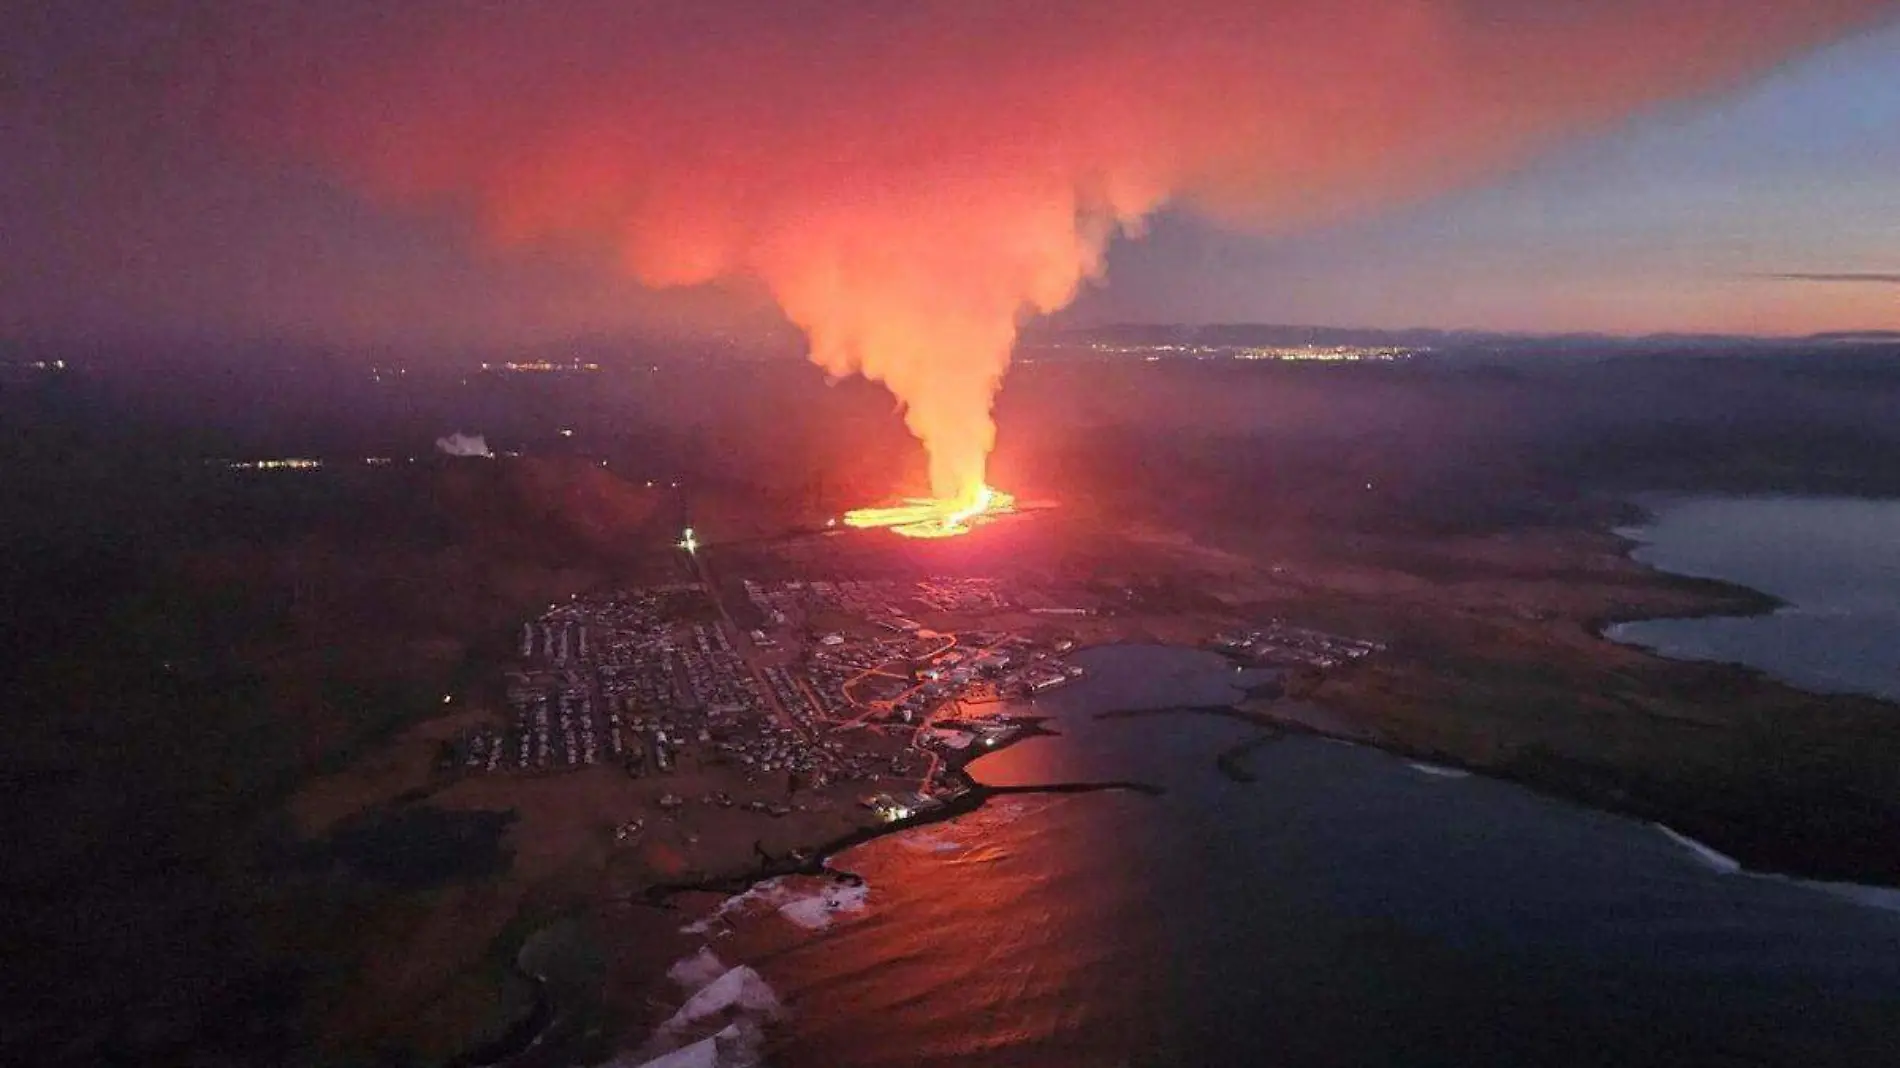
1835,562
1346,908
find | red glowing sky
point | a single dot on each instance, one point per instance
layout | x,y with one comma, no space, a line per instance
451,168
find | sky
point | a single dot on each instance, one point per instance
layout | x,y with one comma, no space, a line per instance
1694,218
161,179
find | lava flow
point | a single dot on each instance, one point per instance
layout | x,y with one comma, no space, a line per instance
935,517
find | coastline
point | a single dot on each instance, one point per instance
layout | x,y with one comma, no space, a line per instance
1276,726
816,861
1571,776
1753,810
1675,636
1746,600
1275,719
524,1035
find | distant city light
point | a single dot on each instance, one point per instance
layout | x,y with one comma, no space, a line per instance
541,367
689,541
1285,353
293,463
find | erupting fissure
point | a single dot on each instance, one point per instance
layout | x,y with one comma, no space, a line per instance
936,517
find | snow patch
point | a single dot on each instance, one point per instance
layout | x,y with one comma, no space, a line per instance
739,1003
1438,772
740,990
697,970
733,1046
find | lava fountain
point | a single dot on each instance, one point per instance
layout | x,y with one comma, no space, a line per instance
936,517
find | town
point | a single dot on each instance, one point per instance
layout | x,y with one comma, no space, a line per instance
1282,645
824,684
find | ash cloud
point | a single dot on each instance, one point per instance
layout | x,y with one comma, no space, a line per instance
910,181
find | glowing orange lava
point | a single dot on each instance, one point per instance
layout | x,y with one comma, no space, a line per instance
935,517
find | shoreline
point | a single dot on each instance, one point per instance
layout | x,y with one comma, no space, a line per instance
1751,602
1275,727
1760,604
1270,726
1573,780
816,861
525,1034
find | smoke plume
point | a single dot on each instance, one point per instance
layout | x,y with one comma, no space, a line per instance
910,180
460,444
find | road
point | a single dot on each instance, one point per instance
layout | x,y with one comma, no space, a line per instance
949,643
741,642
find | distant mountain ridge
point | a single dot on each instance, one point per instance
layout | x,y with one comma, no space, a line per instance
1269,334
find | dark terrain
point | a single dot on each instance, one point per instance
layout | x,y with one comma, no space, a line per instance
185,644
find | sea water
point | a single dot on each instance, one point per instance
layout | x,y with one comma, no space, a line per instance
1834,562
1345,908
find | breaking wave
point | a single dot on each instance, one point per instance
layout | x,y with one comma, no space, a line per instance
1886,898
1438,772
812,910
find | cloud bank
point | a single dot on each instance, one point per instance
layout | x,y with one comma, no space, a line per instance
910,180
1867,277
